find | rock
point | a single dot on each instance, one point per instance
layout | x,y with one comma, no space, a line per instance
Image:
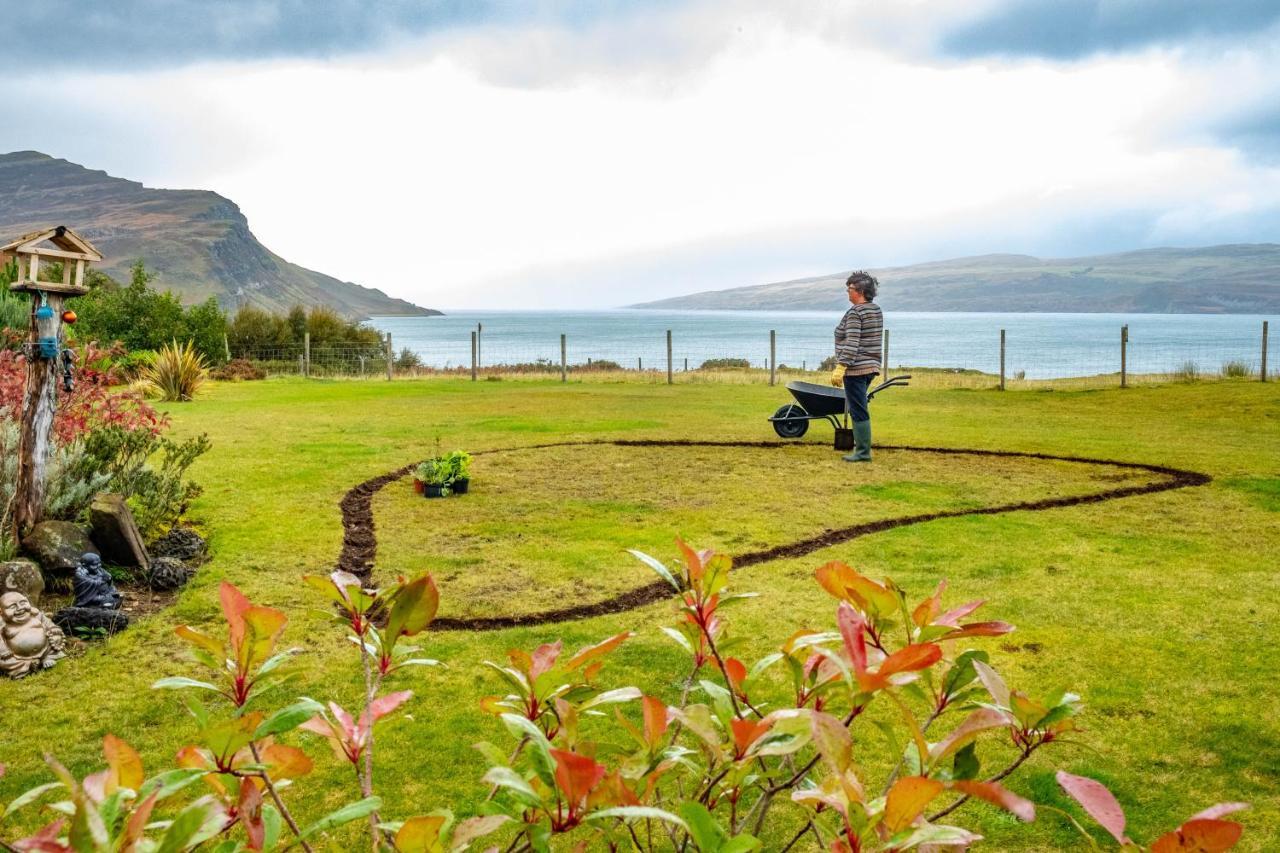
168,573
22,576
90,622
57,546
116,533
181,543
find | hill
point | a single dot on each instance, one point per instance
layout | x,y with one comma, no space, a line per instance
197,241
1232,279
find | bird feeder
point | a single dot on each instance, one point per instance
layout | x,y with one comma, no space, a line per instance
35,254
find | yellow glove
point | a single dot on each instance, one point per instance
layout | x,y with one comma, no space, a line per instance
837,376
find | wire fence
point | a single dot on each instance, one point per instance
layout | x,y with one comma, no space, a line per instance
1007,360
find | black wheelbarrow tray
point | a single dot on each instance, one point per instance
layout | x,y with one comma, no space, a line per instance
817,402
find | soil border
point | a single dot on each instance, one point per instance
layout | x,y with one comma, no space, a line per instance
360,541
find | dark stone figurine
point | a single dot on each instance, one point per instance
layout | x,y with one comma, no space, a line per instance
93,586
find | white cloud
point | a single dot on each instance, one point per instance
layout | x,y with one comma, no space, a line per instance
450,169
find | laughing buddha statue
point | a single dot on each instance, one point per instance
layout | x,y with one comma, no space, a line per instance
29,641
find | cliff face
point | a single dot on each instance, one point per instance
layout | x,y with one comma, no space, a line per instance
197,241
1232,279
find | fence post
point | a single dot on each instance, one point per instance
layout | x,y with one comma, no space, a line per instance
773,356
686,364
390,365
226,346
1002,359
640,364
1263,372
306,354
884,358
1124,356
564,364
669,379
475,344
479,329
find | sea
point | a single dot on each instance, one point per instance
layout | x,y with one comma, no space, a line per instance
1038,346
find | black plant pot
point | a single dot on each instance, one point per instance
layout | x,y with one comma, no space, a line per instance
433,490
459,487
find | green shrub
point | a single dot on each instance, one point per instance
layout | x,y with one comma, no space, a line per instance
408,360
724,363
177,372
1189,371
238,369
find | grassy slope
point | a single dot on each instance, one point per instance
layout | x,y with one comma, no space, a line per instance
1160,610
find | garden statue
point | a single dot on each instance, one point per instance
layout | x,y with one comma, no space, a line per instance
29,642
93,586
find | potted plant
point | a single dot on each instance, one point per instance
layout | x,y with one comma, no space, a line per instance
435,474
459,471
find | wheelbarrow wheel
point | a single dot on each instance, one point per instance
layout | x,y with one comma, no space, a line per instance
790,421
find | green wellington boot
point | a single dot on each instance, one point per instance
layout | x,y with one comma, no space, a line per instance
861,443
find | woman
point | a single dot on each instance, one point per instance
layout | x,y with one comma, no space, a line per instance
859,337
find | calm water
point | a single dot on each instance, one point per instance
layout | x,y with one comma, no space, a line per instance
1042,345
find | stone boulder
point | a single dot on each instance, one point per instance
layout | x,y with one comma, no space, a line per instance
181,543
167,573
22,576
57,547
88,623
116,533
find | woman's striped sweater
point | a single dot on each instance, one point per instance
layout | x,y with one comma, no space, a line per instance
859,337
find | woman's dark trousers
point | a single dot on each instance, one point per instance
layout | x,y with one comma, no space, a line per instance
855,393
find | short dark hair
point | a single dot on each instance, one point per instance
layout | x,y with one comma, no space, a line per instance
865,283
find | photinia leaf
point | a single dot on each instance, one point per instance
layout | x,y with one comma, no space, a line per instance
226,738
517,785
910,659
346,814
262,629
707,833
907,799
655,720
1097,801
421,834
1199,836
637,813
249,810
979,629
993,682
286,762
977,722
202,640
288,718
413,608
29,797
381,707
1215,812
576,775
852,626
591,652
177,682
833,741
998,795
659,569
195,824
621,694
543,658
747,732
234,606
476,827
123,764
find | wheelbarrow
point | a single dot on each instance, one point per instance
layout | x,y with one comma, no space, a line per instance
819,402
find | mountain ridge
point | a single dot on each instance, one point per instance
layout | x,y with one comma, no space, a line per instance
1233,278
198,242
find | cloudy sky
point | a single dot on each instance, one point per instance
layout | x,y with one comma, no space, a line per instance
560,154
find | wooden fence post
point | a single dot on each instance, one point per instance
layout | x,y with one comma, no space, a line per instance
564,363
390,364
1124,356
226,346
479,329
1264,351
1002,359
773,357
639,363
475,352
884,358
669,378
686,364
306,354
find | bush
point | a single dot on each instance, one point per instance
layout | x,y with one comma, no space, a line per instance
587,766
238,369
177,373
828,364
724,363
408,360
602,364
1237,370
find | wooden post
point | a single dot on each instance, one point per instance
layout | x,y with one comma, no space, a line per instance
669,378
686,364
773,357
884,357
564,361
306,354
639,363
226,346
475,352
1002,359
34,440
1263,372
1124,356
390,363
479,329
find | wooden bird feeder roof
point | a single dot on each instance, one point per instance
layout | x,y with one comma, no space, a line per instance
59,243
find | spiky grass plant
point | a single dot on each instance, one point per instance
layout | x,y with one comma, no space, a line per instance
177,372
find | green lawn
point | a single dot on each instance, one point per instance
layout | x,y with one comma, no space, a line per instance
1160,610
